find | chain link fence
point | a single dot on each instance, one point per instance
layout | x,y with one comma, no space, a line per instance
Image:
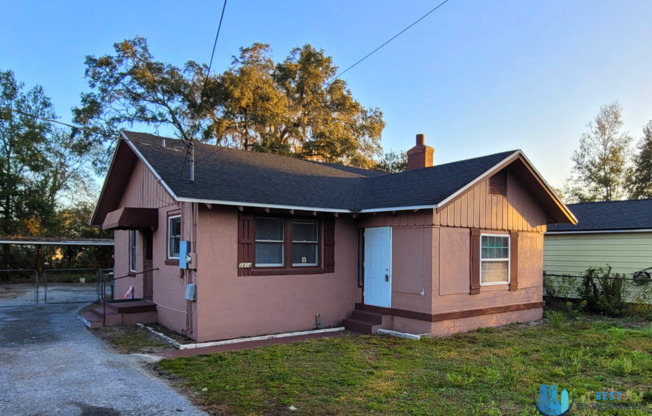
18,287
598,292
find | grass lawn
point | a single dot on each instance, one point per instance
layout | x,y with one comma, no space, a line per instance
487,372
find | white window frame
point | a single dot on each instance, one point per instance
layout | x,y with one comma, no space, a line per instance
316,243
508,259
281,241
132,250
169,246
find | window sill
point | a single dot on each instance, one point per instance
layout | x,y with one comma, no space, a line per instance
171,262
272,271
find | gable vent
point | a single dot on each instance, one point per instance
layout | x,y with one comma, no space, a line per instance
498,184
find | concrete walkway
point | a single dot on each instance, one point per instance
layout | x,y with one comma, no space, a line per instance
51,365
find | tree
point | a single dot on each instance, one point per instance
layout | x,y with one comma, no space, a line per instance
640,177
291,108
599,173
23,141
287,108
393,162
131,87
41,168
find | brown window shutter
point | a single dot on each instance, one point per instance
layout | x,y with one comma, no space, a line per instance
513,260
246,244
329,245
475,261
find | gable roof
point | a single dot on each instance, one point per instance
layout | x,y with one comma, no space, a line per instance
225,176
609,216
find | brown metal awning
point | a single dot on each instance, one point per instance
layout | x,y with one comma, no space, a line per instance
131,218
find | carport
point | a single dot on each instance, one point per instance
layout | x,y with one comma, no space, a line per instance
26,270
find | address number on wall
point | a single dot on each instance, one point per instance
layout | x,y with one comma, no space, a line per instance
244,265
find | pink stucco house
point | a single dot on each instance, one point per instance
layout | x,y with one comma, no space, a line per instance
276,244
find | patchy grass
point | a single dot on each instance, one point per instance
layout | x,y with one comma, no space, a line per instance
131,339
487,372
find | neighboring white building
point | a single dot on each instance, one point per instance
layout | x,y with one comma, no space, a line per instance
615,233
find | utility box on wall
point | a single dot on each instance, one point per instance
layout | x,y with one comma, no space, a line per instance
191,292
187,258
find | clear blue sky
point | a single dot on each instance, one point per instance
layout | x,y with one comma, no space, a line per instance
476,76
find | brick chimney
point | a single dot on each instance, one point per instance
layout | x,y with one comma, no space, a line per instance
420,156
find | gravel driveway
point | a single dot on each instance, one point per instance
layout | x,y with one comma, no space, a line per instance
51,365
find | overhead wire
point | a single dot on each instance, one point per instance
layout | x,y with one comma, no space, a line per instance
48,119
386,42
210,64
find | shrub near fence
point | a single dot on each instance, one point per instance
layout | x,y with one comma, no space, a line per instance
598,292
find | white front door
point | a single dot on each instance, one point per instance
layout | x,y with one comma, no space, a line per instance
378,266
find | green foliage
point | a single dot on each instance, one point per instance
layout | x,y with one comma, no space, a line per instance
393,162
479,373
131,87
603,294
23,156
640,176
600,170
285,108
39,165
555,318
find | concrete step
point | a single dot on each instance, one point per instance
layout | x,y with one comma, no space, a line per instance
132,306
363,327
372,317
90,319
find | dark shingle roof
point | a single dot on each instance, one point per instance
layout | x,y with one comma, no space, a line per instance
612,215
229,175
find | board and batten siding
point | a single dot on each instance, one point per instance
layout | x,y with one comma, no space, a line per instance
477,208
145,191
574,253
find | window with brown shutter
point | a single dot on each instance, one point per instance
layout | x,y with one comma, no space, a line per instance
513,278
329,245
285,245
246,244
475,261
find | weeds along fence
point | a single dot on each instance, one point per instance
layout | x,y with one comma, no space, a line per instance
597,291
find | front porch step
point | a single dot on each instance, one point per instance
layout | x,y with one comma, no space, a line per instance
363,327
367,322
120,313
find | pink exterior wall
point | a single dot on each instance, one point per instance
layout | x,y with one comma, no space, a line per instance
431,258
232,306
144,191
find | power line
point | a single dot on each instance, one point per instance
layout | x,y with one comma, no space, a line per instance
217,35
48,119
391,39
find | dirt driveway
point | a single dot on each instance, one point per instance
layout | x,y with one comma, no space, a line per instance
51,365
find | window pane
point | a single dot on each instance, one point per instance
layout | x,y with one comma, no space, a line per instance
304,254
132,250
495,247
269,254
269,229
174,237
304,231
494,271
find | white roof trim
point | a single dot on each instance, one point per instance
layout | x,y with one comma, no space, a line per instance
412,208
642,230
478,179
59,243
142,158
257,205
